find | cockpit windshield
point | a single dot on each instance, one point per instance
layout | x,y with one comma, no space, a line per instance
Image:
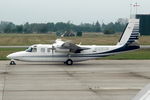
29,49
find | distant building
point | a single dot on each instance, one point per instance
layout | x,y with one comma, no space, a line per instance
144,23
69,34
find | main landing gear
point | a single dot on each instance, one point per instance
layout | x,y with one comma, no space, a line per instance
69,62
12,62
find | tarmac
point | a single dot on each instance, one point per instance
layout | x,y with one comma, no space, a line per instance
89,80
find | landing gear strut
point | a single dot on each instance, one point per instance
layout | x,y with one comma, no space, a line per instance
12,63
69,62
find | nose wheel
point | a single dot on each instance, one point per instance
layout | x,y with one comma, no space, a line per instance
12,63
69,62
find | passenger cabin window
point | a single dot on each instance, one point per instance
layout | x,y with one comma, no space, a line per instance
43,50
49,49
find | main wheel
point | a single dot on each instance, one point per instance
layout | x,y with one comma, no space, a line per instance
69,62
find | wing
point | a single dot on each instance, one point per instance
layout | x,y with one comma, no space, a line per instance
73,47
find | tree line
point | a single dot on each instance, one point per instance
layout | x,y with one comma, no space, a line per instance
110,28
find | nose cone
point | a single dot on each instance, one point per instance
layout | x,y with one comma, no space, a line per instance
10,56
13,55
16,56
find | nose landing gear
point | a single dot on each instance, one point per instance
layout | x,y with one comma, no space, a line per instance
12,62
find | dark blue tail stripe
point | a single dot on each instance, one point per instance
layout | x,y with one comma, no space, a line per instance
134,35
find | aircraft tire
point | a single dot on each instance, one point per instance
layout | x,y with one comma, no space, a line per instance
69,62
12,63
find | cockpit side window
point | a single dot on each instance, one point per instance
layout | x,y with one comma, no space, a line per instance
34,50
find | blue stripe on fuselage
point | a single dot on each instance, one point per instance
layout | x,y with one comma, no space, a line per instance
103,54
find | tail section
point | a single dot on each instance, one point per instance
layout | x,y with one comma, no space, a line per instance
130,36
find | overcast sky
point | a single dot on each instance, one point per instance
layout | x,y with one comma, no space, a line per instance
76,11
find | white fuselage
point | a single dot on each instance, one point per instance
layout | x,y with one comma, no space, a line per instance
46,53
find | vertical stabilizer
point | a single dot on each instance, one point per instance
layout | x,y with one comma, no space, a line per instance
130,35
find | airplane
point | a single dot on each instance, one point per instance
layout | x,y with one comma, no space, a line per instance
68,52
